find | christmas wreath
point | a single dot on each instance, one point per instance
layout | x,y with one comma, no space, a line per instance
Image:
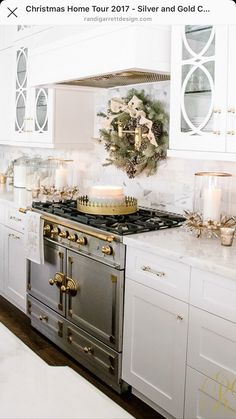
134,133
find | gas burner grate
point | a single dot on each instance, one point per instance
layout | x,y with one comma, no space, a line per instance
142,221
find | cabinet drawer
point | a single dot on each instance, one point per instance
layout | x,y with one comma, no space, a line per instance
45,320
159,273
15,219
213,293
206,399
212,345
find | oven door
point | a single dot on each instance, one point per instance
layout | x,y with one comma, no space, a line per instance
97,303
45,281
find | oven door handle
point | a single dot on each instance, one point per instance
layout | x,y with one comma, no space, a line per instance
71,287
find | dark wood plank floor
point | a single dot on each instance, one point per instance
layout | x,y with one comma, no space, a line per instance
19,324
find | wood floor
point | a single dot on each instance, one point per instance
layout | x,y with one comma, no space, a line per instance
19,324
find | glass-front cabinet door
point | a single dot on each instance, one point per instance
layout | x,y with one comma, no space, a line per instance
198,88
31,104
21,95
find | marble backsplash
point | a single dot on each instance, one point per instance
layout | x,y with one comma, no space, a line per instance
171,188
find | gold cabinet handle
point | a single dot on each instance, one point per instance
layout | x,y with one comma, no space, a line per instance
41,318
152,271
179,317
216,132
69,339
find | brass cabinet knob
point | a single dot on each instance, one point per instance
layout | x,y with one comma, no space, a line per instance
82,241
107,250
63,234
47,229
51,281
72,237
179,317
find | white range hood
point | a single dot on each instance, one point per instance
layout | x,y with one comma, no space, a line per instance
104,57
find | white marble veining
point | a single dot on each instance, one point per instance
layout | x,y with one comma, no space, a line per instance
179,245
29,388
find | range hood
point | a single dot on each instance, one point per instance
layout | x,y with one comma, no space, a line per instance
104,58
122,78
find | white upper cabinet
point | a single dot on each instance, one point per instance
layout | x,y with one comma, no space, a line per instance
203,91
46,117
6,96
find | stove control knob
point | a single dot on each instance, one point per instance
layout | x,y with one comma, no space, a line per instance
64,234
47,229
107,250
72,237
82,241
54,232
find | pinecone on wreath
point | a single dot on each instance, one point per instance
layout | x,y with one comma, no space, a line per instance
130,170
157,129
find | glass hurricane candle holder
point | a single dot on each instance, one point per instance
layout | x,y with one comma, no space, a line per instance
212,195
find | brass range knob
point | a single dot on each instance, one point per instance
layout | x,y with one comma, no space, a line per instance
55,232
107,250
82,241
63,234
57,279
72,237
47,229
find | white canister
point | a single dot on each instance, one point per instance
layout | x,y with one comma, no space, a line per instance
19,171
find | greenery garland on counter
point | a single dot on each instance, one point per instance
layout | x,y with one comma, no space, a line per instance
119,125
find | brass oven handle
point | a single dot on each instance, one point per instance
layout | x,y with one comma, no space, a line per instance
149,269
70,287
58,279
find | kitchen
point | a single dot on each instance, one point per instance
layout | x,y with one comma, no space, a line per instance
161,318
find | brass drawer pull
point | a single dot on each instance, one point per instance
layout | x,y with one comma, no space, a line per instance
157,273
41,318
88,350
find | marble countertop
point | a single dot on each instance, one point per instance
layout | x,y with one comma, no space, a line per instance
181,246
15,197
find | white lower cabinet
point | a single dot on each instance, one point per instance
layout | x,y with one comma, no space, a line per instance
212,346
207,399
14,267
154,351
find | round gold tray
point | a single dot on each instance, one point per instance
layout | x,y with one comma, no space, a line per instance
90,207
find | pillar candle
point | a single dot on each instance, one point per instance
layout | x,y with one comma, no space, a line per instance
212,204
60,178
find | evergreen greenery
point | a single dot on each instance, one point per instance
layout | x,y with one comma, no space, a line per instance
122,151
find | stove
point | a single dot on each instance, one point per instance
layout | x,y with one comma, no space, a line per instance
76,297
142,221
